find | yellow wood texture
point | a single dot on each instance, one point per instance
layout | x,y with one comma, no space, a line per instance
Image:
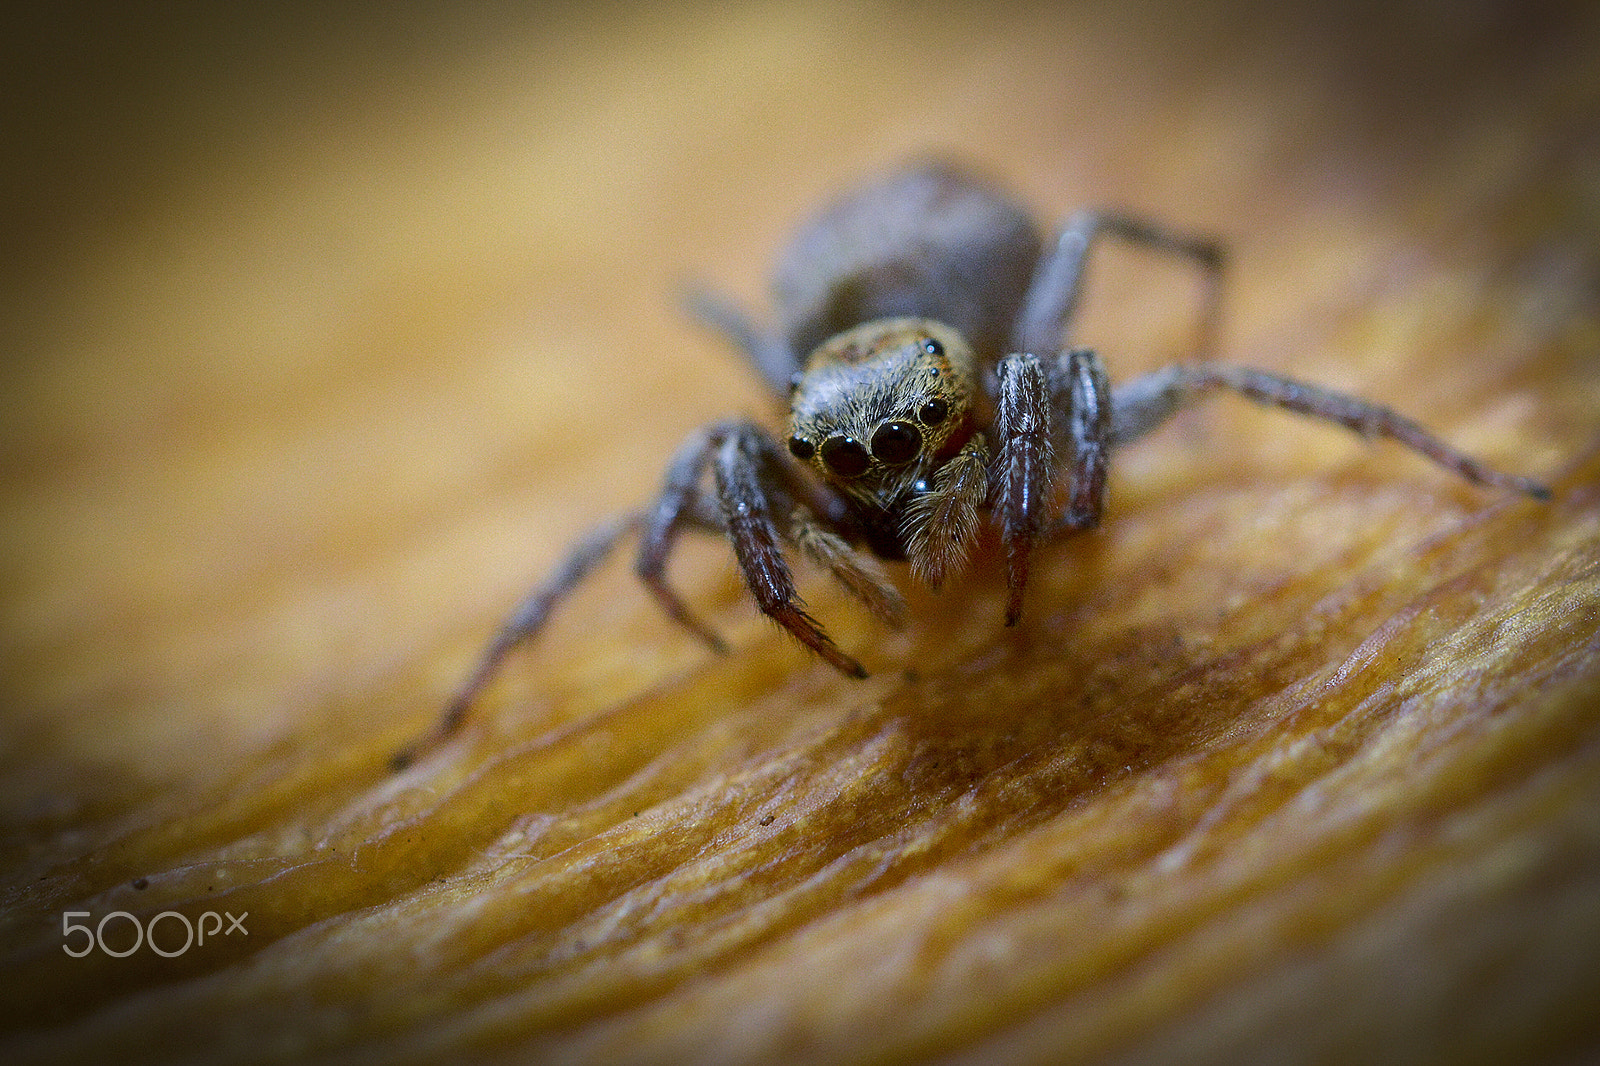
328,329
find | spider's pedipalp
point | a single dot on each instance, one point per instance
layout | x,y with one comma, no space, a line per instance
857,572
942,523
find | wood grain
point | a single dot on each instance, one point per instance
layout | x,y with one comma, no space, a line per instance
329,329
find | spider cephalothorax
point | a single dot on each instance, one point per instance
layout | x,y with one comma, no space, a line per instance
880,412
921,348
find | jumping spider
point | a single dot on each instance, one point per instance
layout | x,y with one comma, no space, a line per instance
919,347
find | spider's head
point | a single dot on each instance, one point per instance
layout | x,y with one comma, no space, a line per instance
877,407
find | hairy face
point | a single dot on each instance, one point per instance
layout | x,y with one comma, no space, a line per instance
877,407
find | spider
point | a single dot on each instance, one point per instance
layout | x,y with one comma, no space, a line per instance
920,348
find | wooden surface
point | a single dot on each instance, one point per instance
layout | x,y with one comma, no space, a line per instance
326,332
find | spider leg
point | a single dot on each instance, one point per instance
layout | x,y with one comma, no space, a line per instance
1023,469
521,626
1026,389
1089,414
772,358
678,504
1058,280
749,475
1030,392
1145,402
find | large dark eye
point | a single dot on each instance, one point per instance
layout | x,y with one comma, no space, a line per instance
932,347
801,448
896,442
933,412
845,456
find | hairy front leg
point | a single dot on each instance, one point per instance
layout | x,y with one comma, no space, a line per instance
750,475
1022,477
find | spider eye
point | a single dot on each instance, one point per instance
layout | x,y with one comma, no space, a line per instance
801,448
845,456
933,412
932,347
896,442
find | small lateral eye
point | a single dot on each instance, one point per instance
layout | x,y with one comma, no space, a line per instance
896,442
845,456
933,412
932,347
801,448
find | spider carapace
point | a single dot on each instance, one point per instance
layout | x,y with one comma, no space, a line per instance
920,343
